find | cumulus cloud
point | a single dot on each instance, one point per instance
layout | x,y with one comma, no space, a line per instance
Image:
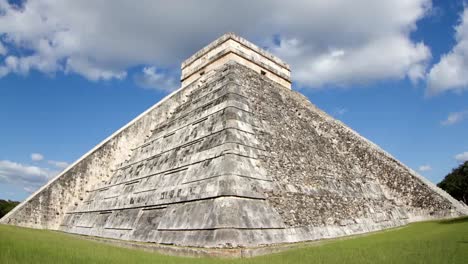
58,164
339,111
152,78
462,157
27,176
326,42
355,63
3,50
3,71
29,189
450,73
455,117
92,71
425,168
37,157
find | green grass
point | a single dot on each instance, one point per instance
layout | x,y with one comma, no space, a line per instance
427,242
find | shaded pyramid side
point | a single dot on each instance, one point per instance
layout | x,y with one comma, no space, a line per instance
327,175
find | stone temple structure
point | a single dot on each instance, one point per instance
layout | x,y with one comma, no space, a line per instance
234,158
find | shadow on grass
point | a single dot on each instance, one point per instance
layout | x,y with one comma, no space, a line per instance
455,220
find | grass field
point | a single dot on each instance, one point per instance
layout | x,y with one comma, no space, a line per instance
428,242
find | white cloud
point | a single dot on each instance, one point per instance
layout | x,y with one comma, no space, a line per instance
3,71
151,78
450,73
37,157
356,64
3,50
23,175
340,111
455,117
326,42
462,157
30,189
93,72
58,164
424,168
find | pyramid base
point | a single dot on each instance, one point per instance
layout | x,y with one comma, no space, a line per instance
318,235
222,243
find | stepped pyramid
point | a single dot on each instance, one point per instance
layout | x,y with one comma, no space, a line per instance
234,158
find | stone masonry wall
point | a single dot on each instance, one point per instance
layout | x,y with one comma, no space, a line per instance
195,181
234,160
327,174
47,207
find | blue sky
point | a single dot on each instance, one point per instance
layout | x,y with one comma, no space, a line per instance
68,83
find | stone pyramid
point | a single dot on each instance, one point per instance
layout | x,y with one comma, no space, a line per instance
234,158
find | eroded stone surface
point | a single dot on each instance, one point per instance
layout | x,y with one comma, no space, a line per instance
234,160
231,47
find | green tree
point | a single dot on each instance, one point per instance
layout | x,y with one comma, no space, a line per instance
456,183
6,206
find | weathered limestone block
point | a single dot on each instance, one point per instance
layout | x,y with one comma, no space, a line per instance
233,159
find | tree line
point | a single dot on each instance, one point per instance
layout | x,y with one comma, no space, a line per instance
456,183
6,206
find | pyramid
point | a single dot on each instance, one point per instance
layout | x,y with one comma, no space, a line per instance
234,158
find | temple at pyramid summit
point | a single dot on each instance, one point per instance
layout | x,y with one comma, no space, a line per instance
234,158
